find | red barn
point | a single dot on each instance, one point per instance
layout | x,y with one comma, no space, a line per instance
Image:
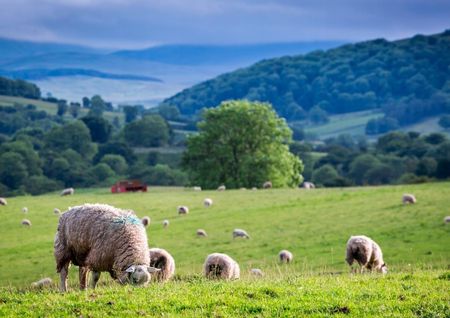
128,186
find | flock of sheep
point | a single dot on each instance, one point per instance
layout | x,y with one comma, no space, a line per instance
101,238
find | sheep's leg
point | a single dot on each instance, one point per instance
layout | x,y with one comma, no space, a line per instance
63,275
94,279
83,276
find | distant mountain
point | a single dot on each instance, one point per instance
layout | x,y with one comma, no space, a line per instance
407,79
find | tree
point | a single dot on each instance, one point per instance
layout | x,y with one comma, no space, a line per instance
86,102
359,167
150,131
317,115
131,113
326,176
116,162
169,112
13,171
241,144
444,121
74,109
62,107
97,106
100,129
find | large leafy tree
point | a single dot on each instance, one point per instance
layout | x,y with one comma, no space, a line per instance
242,144
150,131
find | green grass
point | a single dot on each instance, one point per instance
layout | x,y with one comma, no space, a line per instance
314,225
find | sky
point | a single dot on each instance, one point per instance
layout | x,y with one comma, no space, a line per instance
144,23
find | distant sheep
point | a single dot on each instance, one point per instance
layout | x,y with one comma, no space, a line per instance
447,219
146,221
3,201
221,266
68,191
256,272
25,209
26,222
207,202
102,238
197,188
221,188
308,185
44,282
366,252
161,259
285,256
56,211
182,209
166,223
240,233
267,185
409,198
201,233
254,188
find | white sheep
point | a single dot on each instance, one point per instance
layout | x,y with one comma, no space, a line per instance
25,209
221,266
447,219
161,259
26,222
254,188
408,198
240,233
166,223
221,188
146,221
267,185
197,188
68,191
3,201
366,252
308,185
207,202
256,272
201,233
285,256
182,209
44,282
56,211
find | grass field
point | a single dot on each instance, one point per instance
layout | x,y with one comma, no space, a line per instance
314,225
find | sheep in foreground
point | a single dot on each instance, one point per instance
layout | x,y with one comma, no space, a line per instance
3,201
267,185
221,188
162,260
68,191
56,211
166,223
182,209
409,198
221,266
44,282
25,210
146,221
308,185
256,272
201,233
26,222
285,256
447,219
366,252
102,238
240,233
207,202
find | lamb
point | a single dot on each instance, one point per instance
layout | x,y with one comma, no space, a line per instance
26,222
447,219
44,282
221,188
25,209
207,202
161,259
182,209
256,272
68,191
267,185
102,238
56,211
408,198
221,266
285,256
145,221
165,223
201,233
3,201
366,252
240,233
308,185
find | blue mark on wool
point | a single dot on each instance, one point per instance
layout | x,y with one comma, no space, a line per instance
128,219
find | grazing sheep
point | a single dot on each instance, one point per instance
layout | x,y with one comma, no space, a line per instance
102,238
197,188
254,188
240,233
243,189
182,209
3,201
68,191
26,222
221,188
447,219
409,198
146,221
366,252
202,233
56,211
165,223
25,209
267,185
207,202
221,266
308,185
161,259
256,272
44,282
285,256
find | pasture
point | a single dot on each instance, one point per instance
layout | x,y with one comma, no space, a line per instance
313,224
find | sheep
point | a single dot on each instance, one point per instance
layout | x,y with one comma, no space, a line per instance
256,272
146,221
201,233
99,238
182,209
25,210
285,256
161,259
447,219
26,222
207,202
221,188
254,188
56,211
197,188
221,266
267,185
408,198
308,185
165,223
366,252
44,282
68,191
3,201
240,233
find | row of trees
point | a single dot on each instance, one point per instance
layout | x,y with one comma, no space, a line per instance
19,87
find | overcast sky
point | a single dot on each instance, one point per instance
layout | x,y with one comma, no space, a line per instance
142,23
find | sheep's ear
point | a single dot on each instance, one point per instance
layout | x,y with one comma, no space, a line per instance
130,269
153,269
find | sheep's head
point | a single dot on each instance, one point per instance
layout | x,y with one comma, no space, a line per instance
383,268
138,274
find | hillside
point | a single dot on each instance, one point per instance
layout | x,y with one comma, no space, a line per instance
407,79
